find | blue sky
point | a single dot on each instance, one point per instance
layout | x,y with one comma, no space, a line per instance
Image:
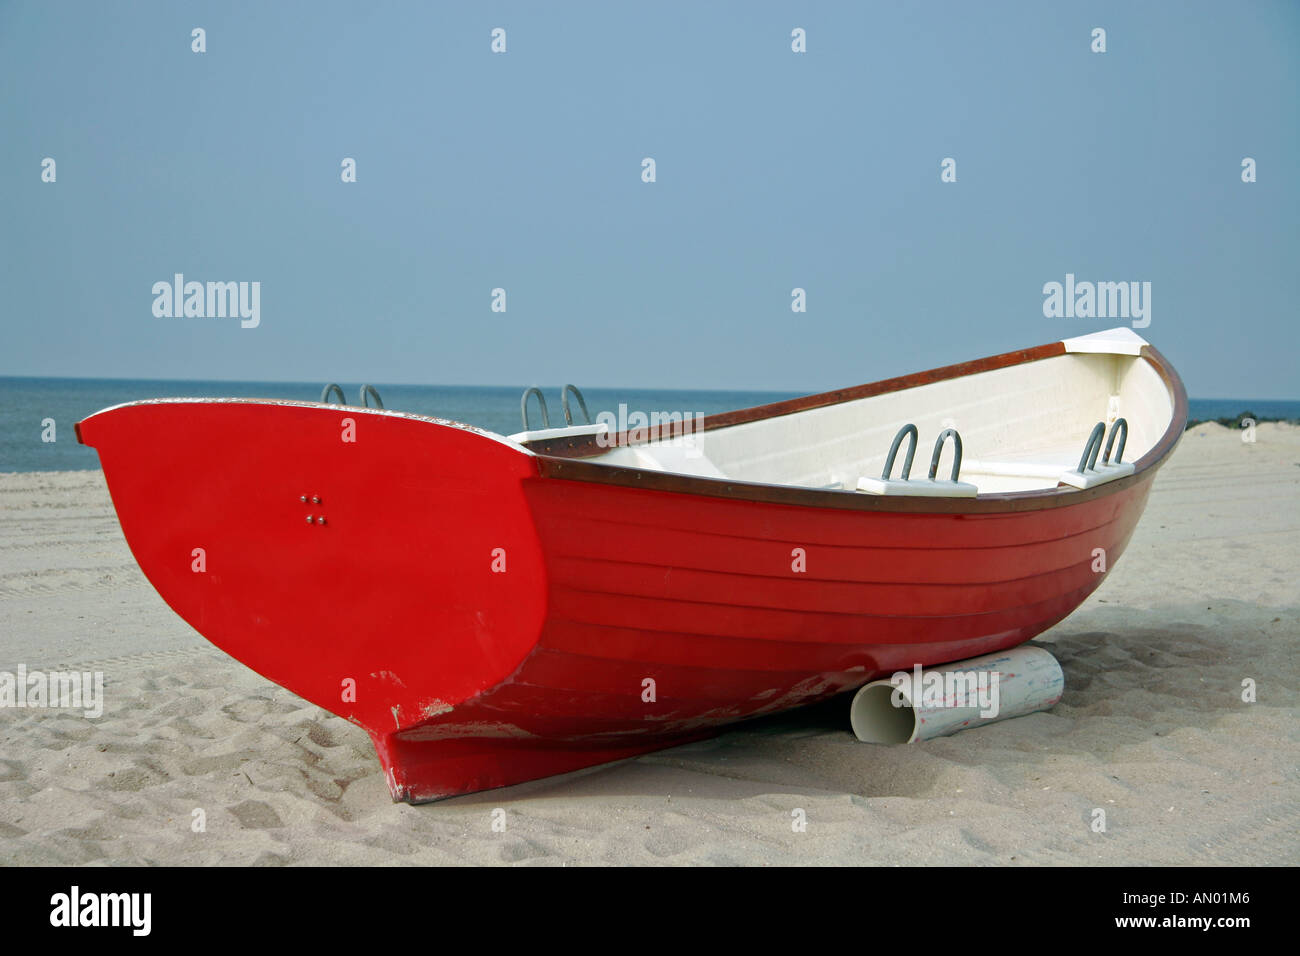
522,171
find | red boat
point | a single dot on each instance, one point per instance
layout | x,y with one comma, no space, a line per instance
493,610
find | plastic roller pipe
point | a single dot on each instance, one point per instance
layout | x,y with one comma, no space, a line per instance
934,702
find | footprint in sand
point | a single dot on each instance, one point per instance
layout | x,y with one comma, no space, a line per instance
321,736
181,707
247,711
255,815
252,709
517,850
216,763
666,843
134,779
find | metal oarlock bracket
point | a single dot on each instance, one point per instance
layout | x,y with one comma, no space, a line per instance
541,400
1091,473
566,432
908,430
367,391
564,403
938,450
929,486
1122,427
325,395
1090,451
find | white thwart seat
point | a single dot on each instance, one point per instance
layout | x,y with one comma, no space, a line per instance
1013,469
1055,472
1097,475
569,431
922,487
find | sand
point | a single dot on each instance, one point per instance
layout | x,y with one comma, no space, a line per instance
1152,728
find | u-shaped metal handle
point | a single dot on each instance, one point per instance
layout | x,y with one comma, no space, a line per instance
1090,450
325,395
541,400
366,392
1121,425
910,431
564,404
938,450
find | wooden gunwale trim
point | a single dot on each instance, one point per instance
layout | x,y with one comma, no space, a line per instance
572,468
1178,423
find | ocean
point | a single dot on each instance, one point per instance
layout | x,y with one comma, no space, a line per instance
26,405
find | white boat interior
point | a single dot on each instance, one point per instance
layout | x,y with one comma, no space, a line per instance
1023,427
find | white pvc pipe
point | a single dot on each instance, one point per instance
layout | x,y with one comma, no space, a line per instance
934,702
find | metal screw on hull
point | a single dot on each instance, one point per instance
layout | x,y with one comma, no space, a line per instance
302,498
309,519
315,499
320,520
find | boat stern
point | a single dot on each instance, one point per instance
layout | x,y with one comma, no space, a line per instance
383,566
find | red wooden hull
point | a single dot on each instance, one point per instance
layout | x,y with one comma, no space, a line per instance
398,615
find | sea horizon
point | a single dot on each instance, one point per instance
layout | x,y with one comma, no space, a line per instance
29,404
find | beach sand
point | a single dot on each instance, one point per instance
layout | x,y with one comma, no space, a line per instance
1152,728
